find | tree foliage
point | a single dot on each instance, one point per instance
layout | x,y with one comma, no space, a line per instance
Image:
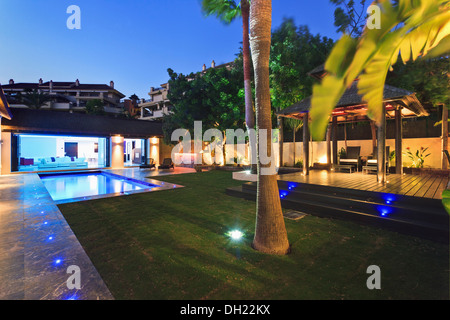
95,107
408,30
215,97
428,78
227,11
350,17
34,99
294,52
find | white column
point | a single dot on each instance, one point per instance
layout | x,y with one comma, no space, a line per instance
153,151
117,152
5,153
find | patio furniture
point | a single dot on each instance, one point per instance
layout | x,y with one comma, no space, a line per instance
52,163
352,158
151,164
339,167
167,164
369,168
372,163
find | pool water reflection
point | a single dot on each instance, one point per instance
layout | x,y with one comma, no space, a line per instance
83,186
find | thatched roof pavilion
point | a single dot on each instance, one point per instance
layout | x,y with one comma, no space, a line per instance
351,107
398,103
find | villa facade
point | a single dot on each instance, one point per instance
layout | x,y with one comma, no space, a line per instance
67,96
45,140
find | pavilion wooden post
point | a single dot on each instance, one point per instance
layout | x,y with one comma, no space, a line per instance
306,144
345,133
398,141
373,130
381,149
335,142
444,136
281,138
329,147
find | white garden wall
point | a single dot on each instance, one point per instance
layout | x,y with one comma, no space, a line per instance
319,150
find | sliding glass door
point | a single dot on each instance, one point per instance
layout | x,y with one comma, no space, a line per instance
56,152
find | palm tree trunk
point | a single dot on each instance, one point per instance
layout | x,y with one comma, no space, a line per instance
444,136
249,112
373,130
270,231
293,140
329,147
345,135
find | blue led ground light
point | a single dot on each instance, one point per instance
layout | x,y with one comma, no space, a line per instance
389,198
384,210
292,186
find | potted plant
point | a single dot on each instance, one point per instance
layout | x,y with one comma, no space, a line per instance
392,162
417,158
342,154
298,164
392,158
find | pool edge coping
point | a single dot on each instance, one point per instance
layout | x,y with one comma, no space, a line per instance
159,186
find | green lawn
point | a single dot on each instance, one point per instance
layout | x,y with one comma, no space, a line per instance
172,245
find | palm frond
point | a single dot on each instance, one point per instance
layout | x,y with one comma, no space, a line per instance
439,123
293,124
225,10
409,30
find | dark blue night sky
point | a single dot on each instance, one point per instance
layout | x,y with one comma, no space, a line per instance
131,42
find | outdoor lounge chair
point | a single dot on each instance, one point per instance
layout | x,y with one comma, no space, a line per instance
167,164
372,161
150,165
352,158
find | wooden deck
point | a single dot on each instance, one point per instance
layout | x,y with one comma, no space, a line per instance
427,186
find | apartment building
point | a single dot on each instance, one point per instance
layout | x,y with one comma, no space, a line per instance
157,106
67,96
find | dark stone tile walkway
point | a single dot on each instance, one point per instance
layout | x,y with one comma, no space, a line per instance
37,246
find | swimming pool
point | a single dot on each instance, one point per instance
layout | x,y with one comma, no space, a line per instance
70,187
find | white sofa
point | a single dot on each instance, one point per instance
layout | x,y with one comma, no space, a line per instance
66,162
